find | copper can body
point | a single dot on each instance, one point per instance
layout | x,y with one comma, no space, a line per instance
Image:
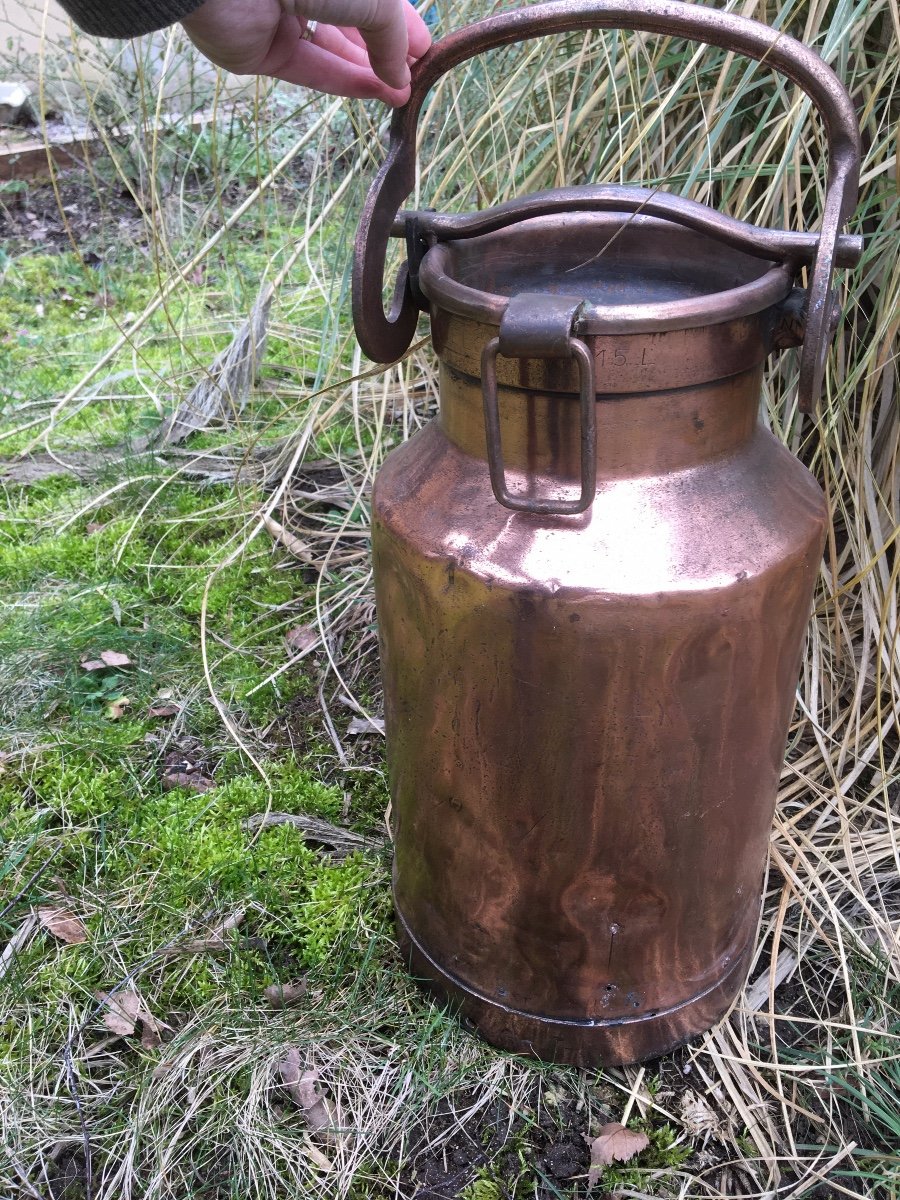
595,568
586,713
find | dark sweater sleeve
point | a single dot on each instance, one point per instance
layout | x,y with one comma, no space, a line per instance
127,18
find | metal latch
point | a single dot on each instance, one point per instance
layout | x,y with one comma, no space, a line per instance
539,325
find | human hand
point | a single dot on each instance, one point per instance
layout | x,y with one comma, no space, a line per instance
360,48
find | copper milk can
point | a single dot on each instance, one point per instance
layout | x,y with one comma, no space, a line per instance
594,572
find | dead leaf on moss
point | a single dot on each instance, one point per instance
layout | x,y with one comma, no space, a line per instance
283,995
614,1143
107,659
151,1035
164,710
192,783
302,639
115,710
301,1087
125,1008
63,924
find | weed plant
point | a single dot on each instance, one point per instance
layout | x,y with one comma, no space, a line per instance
229,566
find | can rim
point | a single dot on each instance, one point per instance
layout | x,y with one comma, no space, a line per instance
772,286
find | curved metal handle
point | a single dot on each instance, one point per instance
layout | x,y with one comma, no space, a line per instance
386,338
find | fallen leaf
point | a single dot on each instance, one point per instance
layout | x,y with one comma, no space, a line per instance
192,783
124,1009
363,725
301,1087
614,1143
151,1036
302,639
63,924
112,658
164,710
116,709
290,541
283,995
108,658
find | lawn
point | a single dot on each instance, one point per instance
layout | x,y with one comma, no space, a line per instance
200,990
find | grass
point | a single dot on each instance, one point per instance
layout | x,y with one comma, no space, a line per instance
166,552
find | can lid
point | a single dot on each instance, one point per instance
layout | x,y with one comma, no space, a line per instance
635,273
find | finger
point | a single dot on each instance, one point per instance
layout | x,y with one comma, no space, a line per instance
418,33
387,41
352,34
313,67
383,25
336,42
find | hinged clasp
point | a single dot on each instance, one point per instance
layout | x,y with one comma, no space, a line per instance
418,243
539,325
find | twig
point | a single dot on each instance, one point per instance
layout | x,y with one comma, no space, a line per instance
16,942
23,891
343,841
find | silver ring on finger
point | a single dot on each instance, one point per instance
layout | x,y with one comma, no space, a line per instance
310,31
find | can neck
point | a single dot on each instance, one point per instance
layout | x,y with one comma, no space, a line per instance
637,434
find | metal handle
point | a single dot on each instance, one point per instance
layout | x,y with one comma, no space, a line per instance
539,325
385,338
576,349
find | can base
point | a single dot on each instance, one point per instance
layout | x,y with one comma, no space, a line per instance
586,1043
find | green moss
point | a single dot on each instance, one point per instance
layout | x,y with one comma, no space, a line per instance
193,855
59,316
329,918
128,562
483,1188
662,1155
140,588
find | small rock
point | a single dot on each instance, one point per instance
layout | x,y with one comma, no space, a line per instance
15,105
